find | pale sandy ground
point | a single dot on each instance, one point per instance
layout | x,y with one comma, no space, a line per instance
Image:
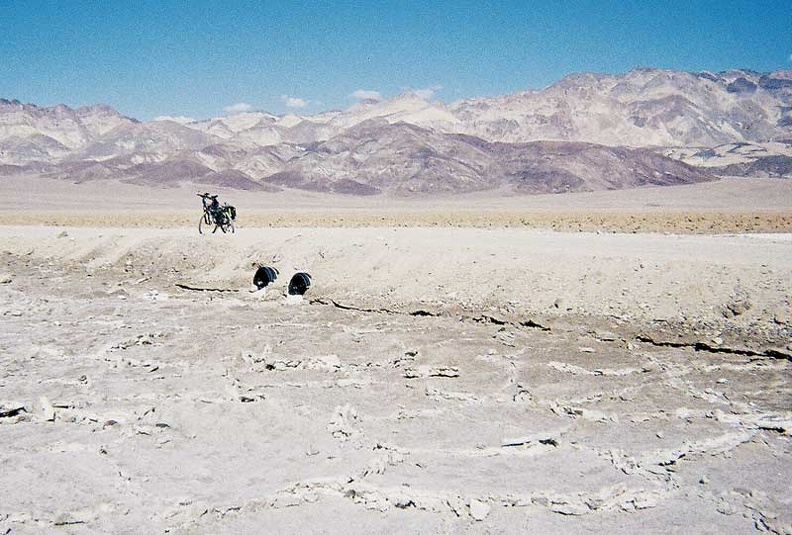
723,206
432,380
737,194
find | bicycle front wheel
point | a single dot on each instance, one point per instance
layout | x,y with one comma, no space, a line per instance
203,225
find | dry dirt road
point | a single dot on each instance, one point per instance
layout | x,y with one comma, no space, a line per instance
430,381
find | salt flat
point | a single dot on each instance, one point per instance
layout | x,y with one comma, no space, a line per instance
432,379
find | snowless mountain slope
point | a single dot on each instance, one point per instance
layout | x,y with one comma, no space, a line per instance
569,136
73,129
771,159
404,159
645,107
163,138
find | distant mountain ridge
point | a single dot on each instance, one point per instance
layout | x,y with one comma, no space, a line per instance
68,128
587,131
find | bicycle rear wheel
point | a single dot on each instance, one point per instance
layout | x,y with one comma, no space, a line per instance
225,223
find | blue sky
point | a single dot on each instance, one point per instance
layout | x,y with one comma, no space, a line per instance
200,58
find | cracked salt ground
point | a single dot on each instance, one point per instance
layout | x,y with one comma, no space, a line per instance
210,412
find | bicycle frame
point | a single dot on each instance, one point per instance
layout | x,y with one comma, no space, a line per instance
214,214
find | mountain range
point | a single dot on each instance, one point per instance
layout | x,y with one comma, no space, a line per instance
585,132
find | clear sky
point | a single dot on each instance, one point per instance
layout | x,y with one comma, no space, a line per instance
201,58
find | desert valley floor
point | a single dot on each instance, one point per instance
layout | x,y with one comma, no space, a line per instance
630,371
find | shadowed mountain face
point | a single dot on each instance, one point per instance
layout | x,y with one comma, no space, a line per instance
586,132
405,159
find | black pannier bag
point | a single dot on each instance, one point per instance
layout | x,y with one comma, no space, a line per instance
299,284
264,276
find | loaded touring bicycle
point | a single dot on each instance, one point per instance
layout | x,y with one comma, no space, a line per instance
216,215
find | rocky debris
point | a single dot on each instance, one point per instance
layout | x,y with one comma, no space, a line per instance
390,456
483,318
505,337
144,339
581,412
405,360
529,442
251,397
47,410
344,422
716,347
193,288
431,371
737,307
479,510
767,421
294,496
11,411
605,336
324,362
444,395
522,395
577,370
